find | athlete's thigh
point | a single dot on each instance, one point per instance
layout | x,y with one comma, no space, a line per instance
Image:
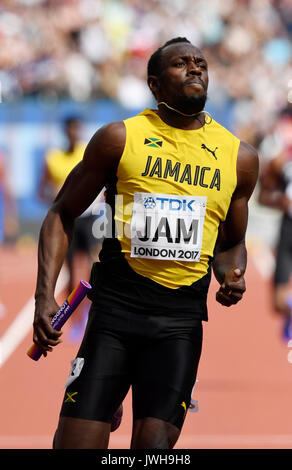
99,379
165,373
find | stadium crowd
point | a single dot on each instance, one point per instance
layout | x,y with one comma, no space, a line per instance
84,49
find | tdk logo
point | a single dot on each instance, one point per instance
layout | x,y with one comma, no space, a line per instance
149,202
171,204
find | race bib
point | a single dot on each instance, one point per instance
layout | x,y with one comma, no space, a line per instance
167,227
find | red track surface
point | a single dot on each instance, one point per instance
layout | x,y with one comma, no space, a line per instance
245,378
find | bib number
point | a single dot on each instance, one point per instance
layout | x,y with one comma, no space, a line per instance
167,227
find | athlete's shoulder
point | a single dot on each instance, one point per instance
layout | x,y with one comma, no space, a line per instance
114,129
247,166
108,136
106,145
219,127
247,155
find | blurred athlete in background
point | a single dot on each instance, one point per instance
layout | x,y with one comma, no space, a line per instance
58,164
276,192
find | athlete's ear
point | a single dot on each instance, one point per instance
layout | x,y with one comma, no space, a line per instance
153,83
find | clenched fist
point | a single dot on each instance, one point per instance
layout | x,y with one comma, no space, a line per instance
232,289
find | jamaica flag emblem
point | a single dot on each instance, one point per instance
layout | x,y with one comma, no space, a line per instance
153,142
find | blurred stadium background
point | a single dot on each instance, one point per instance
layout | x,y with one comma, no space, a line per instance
88,58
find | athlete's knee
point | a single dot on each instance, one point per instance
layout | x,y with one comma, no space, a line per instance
75,433
151,433
146,440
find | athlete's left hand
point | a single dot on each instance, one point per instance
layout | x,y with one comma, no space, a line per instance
232,289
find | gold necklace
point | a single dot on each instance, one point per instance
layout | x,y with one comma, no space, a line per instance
188,115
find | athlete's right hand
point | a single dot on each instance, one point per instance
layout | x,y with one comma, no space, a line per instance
44,335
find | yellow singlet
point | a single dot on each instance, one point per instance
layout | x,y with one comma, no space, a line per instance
60,163
174,187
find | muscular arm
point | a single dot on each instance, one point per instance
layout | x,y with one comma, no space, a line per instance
230,256
80,189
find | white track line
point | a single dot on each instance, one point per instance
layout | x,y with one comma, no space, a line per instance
22,324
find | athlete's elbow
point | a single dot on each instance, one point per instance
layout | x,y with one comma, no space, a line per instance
230,244
59,216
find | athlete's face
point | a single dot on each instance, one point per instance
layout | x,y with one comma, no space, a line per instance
183,81
73,131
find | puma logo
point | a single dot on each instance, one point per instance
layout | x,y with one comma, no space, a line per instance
203,146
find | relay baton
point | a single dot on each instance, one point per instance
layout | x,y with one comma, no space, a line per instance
62,315
287,327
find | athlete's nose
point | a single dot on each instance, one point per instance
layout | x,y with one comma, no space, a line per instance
194,69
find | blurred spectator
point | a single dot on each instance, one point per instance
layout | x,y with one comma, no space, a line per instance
276,192
85,49
8,207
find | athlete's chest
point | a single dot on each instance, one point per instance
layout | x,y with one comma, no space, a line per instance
188,164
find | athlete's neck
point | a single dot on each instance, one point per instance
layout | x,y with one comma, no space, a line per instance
71,147
176,118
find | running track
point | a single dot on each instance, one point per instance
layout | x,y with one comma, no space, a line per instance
245,377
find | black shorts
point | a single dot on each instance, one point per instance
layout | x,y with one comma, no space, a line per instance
284,253
156,355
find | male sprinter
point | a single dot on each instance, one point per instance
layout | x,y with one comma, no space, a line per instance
177,182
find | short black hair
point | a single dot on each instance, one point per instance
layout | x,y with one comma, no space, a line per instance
153,67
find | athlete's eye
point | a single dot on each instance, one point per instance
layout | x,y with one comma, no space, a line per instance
179,64
201,64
